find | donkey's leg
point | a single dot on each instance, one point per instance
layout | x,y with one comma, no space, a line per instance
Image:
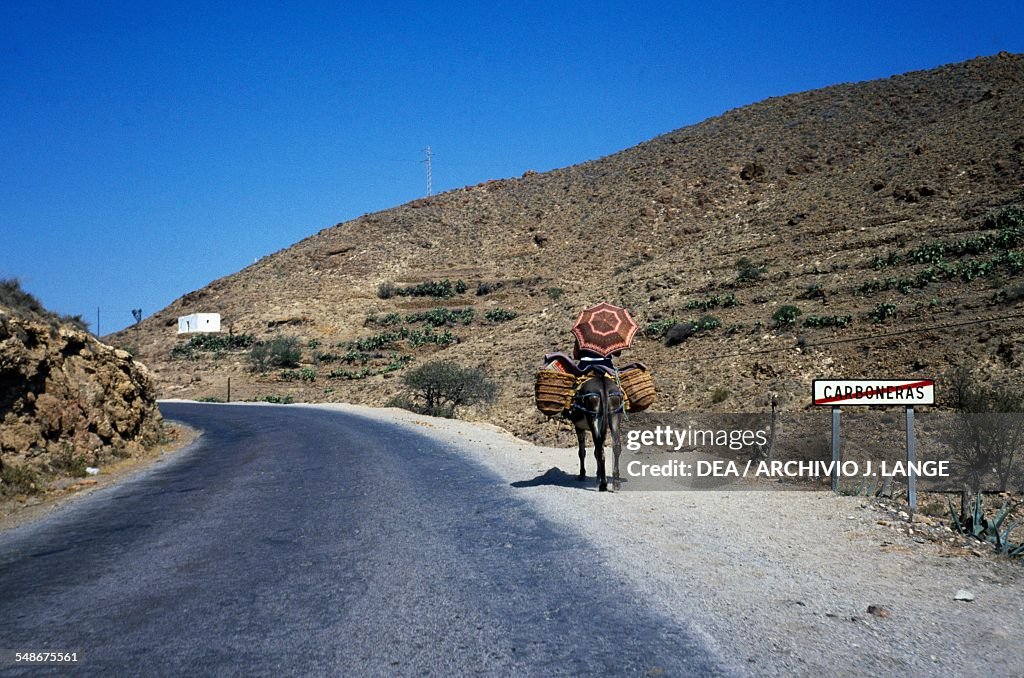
599,453
595,430
581,438
614,422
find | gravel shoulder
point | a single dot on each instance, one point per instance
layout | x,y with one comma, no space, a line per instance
779,581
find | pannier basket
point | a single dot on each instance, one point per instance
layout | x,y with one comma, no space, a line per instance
639,388
553,391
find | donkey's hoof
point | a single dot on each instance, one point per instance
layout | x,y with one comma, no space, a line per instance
603,487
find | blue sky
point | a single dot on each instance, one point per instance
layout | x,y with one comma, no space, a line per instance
147,148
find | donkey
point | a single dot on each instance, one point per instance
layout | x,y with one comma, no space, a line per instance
597,407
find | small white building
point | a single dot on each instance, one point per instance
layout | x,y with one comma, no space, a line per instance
199,322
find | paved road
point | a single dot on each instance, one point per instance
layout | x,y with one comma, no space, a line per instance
291,541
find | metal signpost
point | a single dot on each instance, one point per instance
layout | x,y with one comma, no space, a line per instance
906,392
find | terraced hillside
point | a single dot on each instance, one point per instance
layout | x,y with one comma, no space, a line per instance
882,212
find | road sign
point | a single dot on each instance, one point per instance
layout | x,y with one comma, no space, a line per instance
836,392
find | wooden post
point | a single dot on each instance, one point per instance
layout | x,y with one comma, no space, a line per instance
229,389
835,448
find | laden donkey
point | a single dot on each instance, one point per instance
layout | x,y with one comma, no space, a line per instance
597,407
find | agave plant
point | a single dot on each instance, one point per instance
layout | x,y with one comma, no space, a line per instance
981,528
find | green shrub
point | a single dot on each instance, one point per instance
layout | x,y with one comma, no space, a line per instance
384,320
440,317
278,352
443,289
304,374
720,394
706,322
348,374
657,328
69,463
212,343
386,290
882,312
871,286
440,388
415,337
500,315
555,293
786,315
747,271
397,362
17,299
485,288
892,259
277,399
461,287
987,437
325,357
376,341
827,320
813,291
713,301
23,304
20,480
428,336
355,356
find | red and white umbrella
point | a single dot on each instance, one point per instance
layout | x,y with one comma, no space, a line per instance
604,329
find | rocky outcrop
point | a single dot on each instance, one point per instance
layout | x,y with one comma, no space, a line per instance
66,399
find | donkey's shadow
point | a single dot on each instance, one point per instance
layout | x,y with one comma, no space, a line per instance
556,477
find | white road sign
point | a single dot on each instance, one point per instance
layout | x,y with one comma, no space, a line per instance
834,392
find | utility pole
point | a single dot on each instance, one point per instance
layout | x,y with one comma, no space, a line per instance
430,187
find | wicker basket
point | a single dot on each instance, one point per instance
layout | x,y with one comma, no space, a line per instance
639,388
553,390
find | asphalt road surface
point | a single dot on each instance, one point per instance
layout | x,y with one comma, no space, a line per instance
296,541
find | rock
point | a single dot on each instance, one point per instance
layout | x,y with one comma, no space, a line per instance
964,595
879,611
752,170
75,395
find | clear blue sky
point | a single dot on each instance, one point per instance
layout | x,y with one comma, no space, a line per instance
149,148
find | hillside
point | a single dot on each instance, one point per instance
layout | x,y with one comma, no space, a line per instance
67,401
870,207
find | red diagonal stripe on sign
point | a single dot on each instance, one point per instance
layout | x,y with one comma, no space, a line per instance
873,392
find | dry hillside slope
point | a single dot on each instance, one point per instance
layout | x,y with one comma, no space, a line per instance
801,200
